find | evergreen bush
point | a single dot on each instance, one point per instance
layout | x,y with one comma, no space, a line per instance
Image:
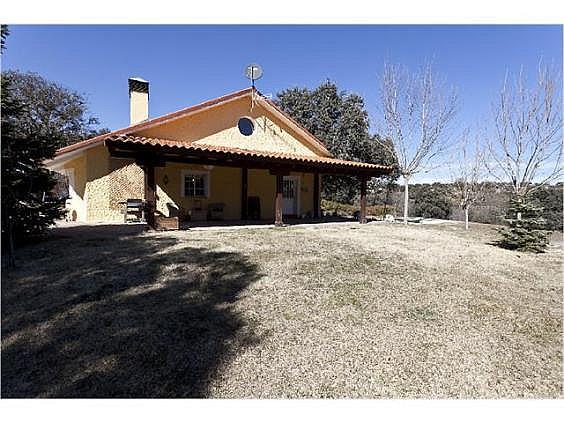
526,229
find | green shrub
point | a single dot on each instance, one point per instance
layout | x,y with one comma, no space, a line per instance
433,202
340,209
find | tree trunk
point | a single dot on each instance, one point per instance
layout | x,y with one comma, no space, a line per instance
519,199
405,199
278,216
11,252
466,218
362,215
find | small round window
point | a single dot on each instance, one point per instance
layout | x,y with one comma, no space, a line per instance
246,126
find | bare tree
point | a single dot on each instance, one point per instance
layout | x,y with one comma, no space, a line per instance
525,141
416,111
467,171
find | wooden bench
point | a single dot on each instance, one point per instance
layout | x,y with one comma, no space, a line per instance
410,219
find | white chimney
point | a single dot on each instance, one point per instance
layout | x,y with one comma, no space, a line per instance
138,100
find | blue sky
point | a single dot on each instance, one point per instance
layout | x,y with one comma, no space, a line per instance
189,64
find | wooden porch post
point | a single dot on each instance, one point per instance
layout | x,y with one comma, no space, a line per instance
244,192
150,193
362,217
278,201
316,195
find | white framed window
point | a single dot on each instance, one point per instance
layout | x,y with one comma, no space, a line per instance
65,184
195,183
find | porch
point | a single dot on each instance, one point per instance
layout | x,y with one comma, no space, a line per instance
287,187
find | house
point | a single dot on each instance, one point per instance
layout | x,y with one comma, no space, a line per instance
236,157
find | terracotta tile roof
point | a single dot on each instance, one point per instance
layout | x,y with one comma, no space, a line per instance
242,153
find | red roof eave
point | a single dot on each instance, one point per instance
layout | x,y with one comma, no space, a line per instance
160,142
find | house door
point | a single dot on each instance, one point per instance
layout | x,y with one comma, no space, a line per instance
290,195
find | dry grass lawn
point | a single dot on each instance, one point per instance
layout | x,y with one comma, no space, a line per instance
341,311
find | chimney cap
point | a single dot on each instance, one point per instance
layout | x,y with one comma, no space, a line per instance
137,78
138,85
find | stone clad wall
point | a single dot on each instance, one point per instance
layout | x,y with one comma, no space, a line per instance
110,181
126,181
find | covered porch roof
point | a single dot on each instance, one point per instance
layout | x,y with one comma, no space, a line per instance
145,149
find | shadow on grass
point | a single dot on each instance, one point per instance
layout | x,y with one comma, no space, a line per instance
104,313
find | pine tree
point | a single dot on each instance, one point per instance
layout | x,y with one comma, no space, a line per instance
38,116
527,228
26,208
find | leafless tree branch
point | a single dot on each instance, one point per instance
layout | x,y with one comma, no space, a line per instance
525,138
417,110
467,172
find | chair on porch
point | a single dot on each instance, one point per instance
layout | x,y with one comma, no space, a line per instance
133,210
197,212
215,211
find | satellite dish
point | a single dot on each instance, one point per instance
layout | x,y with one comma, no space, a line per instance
253,72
